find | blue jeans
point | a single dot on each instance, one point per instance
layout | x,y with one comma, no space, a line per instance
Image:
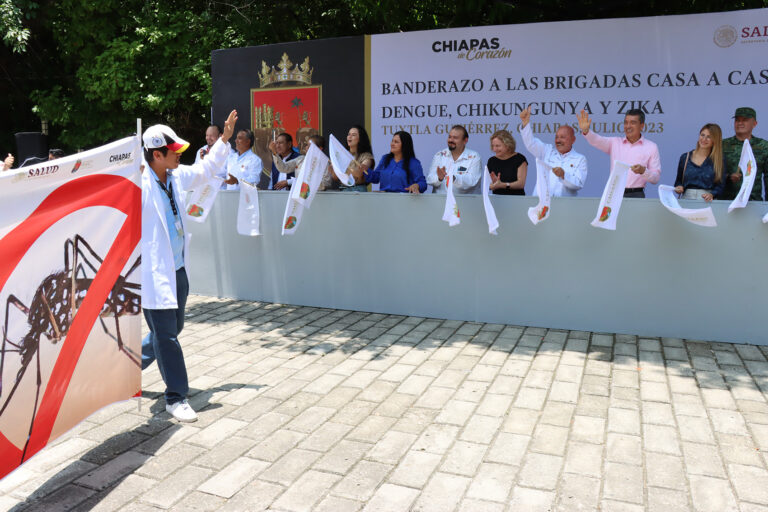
162,343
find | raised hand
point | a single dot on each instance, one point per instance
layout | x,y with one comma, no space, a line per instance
229,126
584,122
525,115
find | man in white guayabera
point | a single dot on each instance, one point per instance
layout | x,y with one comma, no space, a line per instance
456,160
569,168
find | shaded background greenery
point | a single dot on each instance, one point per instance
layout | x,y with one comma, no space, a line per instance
91,67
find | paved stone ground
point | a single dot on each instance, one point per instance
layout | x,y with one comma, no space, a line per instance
327,410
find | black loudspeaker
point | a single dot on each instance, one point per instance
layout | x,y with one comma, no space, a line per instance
29,144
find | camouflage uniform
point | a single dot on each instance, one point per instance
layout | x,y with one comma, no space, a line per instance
732,153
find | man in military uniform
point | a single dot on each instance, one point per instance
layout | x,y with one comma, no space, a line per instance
744,121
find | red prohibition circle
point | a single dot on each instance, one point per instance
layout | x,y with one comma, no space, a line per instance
95,190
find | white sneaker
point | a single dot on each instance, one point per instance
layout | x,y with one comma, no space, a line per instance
182,411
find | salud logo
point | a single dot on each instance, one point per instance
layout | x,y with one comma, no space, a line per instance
725,36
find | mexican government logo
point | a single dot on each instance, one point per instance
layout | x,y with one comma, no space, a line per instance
286,101
725,36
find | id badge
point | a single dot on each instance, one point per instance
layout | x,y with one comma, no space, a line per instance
179,228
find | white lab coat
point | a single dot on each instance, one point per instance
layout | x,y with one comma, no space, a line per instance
158,273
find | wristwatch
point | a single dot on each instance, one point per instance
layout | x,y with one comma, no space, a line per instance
507,186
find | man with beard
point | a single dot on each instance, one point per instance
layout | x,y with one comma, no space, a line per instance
457,161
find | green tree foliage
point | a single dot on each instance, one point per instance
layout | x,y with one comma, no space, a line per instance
90,68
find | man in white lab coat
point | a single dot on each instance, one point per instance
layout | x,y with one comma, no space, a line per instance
164,247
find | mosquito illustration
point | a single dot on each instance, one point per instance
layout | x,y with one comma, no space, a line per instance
54,306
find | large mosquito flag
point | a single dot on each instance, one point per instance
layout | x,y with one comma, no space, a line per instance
748,168
70,233
613,194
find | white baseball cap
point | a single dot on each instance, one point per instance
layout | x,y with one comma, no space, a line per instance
161,136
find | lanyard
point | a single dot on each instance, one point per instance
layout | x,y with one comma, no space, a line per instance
169,192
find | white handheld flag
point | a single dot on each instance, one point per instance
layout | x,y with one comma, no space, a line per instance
201,199
540,212
699,216
610,202
340,160
248,210
490,213
765,218
748,168
451,213
309,177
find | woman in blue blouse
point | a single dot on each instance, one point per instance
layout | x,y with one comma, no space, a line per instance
700,172
399,170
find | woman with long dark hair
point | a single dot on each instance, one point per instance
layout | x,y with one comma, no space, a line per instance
399,170
700,172
359,145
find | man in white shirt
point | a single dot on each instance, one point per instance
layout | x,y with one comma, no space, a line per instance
457,161
569,168
243,163
212,134
164,248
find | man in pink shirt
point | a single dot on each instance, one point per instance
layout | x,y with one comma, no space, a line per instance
632,149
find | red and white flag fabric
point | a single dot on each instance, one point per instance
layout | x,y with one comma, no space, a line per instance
748,168
304,188
248,210
613,194
70,274
340,161
451,213
292,217
540,212
201,200
490,213
310,176
698,216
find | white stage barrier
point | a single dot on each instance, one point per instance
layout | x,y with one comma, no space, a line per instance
656,275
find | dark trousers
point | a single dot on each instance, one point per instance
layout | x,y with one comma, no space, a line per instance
162,343
639,194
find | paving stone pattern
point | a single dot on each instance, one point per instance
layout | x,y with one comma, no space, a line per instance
308,409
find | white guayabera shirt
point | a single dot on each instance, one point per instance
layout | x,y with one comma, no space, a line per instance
574,165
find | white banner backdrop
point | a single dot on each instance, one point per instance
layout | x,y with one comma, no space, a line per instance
684,71
70,232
